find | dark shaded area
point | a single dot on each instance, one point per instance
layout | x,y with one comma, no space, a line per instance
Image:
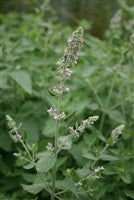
97,12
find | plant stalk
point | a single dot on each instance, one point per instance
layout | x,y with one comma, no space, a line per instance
56,151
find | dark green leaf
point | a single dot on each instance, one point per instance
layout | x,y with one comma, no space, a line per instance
70,116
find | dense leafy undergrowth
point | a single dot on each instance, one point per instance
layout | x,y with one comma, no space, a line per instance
101,84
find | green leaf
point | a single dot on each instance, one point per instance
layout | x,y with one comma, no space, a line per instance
89,156
70,116
45,163
125,177
117,116
6,142
34,189
23,79
108,157
29,166
129,193
83,172
49,128
31,128
64,142
93,106
60,161
64,184
75,177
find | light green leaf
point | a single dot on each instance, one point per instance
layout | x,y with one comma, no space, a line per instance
117,116
89,156
83,172
29,166
49,128
93,106
34,189
108,157
23,79
64,142
45,163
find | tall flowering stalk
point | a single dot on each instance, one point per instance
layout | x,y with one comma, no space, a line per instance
64,72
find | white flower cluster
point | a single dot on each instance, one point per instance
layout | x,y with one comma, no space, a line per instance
49,146
116,132
60,89
11,123
13,128
98,169
70,57
84,124
53,112
87,122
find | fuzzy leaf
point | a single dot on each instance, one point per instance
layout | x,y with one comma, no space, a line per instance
29,166
89,156
108,157
34,189
23,79
45,163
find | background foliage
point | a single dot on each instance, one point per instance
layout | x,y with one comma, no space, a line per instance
102,84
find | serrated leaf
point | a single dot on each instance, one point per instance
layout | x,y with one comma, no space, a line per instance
108,157
64,184
83,172
70,116
23,79
34,189
64,142
45,163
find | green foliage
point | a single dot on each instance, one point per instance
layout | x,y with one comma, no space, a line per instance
102,85
34,189
45,162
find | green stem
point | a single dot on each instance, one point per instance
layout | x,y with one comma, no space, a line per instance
61,192
25,147
56,151
26,159
45,185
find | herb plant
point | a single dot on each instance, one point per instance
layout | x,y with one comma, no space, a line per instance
92,165
45,162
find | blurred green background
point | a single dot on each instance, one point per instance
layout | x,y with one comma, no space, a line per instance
98,12
33,36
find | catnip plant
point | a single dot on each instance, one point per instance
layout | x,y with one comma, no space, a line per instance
45,163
